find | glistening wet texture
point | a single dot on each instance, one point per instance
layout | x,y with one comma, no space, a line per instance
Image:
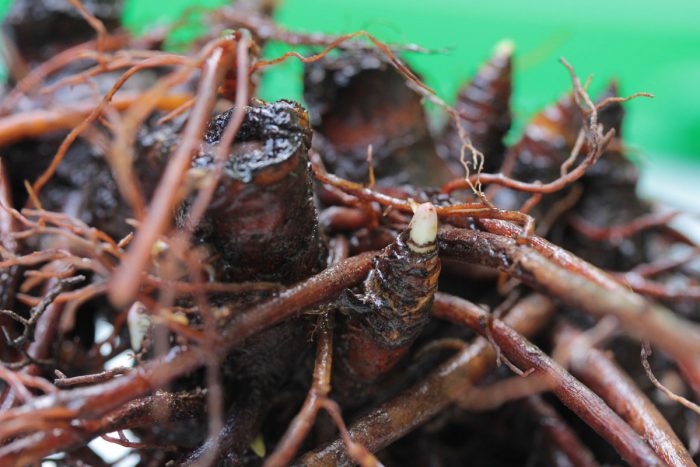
262,219
214,329
394,304
277,132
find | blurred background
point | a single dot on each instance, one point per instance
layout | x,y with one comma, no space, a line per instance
646,46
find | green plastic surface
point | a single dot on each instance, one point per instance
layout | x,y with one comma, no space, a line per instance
647,46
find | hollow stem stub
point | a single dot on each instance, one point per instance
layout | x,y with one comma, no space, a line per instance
262,220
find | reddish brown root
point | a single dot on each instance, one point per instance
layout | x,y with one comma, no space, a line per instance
570,391
416,405
643,319
618,232
611,383
559,432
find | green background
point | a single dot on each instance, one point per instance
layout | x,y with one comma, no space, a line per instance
648,46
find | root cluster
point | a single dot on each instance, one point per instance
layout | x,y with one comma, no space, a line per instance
209,279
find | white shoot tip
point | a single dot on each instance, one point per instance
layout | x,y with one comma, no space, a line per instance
423,227
138,322
504,47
